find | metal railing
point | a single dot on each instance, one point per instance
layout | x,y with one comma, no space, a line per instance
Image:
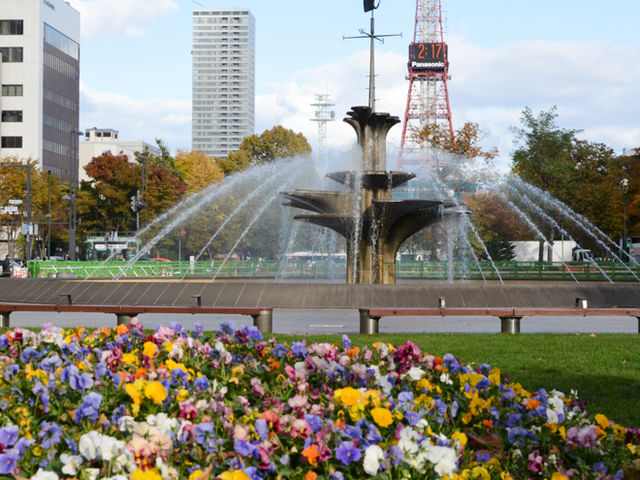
322,269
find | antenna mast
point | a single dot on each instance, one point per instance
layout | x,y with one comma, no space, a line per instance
369,6
428,95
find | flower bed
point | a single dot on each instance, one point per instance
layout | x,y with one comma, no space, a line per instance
117,403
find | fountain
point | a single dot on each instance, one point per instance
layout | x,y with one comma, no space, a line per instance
373,223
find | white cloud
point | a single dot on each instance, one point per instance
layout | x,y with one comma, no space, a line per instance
596,88
169,120
119,17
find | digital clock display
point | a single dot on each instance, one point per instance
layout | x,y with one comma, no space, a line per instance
430,57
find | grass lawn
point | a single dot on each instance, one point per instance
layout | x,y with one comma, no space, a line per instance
603,368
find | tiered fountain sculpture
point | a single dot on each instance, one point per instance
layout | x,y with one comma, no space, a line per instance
373,223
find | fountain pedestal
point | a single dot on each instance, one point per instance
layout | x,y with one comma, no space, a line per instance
373,223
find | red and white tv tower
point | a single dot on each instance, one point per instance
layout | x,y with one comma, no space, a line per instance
428,97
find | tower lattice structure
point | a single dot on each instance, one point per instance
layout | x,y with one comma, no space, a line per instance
428,95
323,115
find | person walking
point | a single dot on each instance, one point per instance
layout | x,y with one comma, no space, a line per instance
6,267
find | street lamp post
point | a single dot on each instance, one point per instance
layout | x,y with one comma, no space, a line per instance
624,183
73,191
29,225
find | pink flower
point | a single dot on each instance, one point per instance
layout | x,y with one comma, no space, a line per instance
298,401
256,387
240,433
300,428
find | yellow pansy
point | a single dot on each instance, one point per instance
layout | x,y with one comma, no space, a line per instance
234,475
196,474
130,358
603,421
156,392
460,437
168,347
149,349
559,476
347,396
470,378
371,397
494,376
183,394
382,416
151,474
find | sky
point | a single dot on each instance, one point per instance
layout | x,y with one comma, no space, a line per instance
582,56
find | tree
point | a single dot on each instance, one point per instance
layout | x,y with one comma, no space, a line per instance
47,193
581,174
544,154
465,141
104,202
198,170
272,144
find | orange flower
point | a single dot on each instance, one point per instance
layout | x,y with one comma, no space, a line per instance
122,329
311,453
273,364
532,403
311,476
382,416
140,373
488,423
353,352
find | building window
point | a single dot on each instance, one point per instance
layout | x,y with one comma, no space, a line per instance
11,54
11,142
11,115
11,27
11,90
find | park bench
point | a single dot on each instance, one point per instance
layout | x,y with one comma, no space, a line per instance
262,317
509,317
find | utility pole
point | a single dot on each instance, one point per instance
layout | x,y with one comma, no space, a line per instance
73,191
29,227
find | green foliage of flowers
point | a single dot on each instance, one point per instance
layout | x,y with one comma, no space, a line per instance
122,403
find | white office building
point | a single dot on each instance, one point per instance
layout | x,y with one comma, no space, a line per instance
223,100
40,72
102,140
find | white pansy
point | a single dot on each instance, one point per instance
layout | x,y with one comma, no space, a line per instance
89,445
373,456
219,346
125,462
95,446
444,459
70,463
91,474
552,416
45,475
422,425
446,379
163,422
555,403
416,373
300,367
176,353
385,385
126,423
408,442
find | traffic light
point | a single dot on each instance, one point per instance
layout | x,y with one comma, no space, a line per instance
134,203
140,200
629,241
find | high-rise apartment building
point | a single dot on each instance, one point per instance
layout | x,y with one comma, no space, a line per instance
223,100
40,76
